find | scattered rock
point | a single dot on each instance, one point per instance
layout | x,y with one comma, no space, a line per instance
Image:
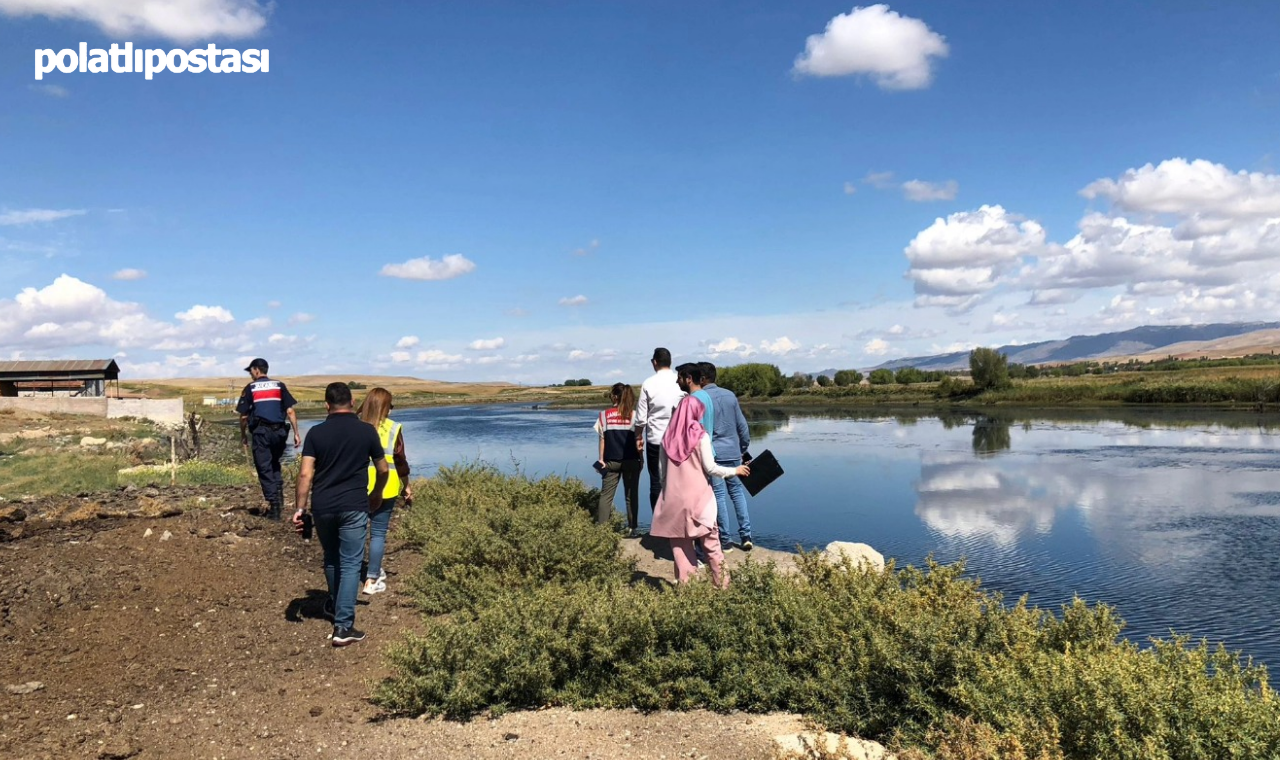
118,749
166,536
828,746
12,514
859,555
148,533
89,440
24,688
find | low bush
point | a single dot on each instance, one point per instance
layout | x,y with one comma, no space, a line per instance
920,658
484,533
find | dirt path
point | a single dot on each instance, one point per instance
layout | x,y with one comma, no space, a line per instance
209,643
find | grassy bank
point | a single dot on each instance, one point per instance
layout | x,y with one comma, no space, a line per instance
1246,387
534,607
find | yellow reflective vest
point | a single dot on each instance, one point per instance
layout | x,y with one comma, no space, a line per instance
388,431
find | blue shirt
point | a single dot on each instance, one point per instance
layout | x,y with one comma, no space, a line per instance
709,410
730,437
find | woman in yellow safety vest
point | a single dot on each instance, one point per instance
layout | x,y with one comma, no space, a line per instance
374,410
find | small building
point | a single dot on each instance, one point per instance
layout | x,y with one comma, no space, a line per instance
83,378
210,401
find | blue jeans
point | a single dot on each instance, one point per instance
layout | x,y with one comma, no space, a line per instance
342,538
731,490
378,523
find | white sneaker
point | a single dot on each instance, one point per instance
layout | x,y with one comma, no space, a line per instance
382,576
375,587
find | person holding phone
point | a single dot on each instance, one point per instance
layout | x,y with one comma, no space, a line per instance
376,410
618,456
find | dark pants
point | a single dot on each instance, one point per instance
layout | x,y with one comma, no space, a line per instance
268,446
629,471
651,453
341,536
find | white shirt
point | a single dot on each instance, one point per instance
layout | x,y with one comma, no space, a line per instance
658,398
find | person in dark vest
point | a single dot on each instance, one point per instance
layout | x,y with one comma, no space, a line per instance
619,457
266,412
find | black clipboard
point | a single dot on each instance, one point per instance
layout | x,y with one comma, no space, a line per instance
764,470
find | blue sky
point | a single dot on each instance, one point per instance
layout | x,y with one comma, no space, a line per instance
534,191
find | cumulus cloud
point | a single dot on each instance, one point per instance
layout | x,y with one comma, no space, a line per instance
730,346
577,300
780,347
1191,189
920,191
876,347
487,344
199,313
408,341
961,257
401,357
427,268
183,20
895,51
129,274
437,357
36,215
258,323
301,318
578,355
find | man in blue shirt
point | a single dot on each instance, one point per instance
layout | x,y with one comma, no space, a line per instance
264,406
730,439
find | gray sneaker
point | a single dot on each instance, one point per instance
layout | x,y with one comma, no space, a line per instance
345,636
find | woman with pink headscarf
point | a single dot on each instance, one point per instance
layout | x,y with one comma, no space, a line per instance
686,509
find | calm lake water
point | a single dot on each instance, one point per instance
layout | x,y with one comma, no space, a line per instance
1172,518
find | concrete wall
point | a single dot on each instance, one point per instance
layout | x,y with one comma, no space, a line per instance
165,411
56,404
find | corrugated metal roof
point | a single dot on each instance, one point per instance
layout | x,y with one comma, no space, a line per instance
60,367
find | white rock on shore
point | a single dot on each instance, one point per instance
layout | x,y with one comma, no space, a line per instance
861,555
806,746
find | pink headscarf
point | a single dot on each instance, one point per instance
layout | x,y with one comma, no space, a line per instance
685,429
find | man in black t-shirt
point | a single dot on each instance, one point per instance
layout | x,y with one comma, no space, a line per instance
334,482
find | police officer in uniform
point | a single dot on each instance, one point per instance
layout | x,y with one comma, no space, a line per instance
263,407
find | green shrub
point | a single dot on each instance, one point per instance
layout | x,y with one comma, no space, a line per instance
751,379
915,657
846,377
484,532
989,369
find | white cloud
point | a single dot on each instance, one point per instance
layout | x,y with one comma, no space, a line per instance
273,304
730,346
427,268
1196,188
301,318
36,215
258,323
437,357
199,313
401,357
850,188
129,274
52,90
577,300
896,330
780,347
876,347
192,365
408,341
577,355
185,20
486,344
895,51
517,312
920,191
959,258
879,180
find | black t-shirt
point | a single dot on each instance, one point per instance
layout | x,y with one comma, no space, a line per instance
343,446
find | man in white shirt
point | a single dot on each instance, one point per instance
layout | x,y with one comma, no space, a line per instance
658,398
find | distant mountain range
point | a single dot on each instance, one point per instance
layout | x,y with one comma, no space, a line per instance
1147,342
